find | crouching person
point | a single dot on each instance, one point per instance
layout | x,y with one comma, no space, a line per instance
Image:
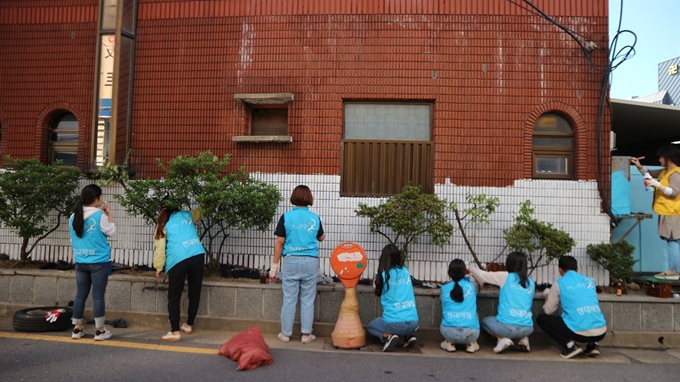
581,320
460,324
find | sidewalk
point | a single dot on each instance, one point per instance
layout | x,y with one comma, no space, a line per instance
138,336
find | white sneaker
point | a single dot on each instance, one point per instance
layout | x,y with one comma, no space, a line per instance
668,275
77,333
448,346
101,336
308,338
186,329
473,347
502,344
523,344
283,337
172,337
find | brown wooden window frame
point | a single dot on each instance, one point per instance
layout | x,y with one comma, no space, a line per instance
266,129
394,163
561,152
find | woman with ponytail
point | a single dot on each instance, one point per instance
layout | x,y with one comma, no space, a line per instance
460,324
515,319
181,255
90,225
394,287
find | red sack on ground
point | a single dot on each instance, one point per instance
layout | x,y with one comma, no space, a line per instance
248,348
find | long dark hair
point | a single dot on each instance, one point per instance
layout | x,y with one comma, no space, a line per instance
517,263
389,258
88,195
457,272
670,152
163,217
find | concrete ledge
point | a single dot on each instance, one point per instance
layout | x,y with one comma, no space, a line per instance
633,321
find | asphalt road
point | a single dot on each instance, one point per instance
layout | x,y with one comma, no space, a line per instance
25,359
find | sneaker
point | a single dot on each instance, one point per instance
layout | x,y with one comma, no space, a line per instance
472,347
186,329
172,337
448,346
592,350
283,337
77,333
571,352
410,342
502,344
523,345
668,275
308,338
392,342
101,336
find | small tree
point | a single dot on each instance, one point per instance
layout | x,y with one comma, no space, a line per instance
541,242
227,200
481,207
616,258
408,215
29,191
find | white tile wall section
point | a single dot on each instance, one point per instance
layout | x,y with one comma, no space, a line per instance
570,205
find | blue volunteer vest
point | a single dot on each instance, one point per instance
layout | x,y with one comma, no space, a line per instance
92,247
302,226
580,307
181,239
460,314
514,303
399,302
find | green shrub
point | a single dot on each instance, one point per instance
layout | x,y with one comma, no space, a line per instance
616,258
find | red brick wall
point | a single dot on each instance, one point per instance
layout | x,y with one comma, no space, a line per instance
193,56
47,58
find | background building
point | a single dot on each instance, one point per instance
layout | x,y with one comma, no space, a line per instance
353,98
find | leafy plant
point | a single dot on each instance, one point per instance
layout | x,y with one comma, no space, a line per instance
616,258
29,192
481,207
408,215
228,200
541,242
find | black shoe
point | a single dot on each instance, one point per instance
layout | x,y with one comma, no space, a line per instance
571,352
391,343
410,342
592,350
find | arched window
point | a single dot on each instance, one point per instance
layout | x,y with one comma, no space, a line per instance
63,140
553,148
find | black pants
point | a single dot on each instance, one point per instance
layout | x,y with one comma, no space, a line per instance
558,330
191,269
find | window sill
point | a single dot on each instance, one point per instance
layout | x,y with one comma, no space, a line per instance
263,138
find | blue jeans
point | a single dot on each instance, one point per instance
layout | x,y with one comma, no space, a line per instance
90,275
378,326
673,254
298,274
459,335
496,328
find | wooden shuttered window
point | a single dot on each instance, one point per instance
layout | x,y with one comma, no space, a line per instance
383,168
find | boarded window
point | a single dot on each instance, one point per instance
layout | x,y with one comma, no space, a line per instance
269,120
553,148
385,147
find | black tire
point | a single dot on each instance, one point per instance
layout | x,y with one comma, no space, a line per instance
33,319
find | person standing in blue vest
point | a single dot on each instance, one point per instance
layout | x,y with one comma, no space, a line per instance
181,255
581,320
394,286
460,324
515,318
298,234
89,226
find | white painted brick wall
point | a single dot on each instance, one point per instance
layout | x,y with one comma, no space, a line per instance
570,205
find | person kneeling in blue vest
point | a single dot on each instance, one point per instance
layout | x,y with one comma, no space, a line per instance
581,320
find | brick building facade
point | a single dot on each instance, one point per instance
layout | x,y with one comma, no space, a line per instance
486,69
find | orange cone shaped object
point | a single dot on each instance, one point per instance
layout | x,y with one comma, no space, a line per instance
348,261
